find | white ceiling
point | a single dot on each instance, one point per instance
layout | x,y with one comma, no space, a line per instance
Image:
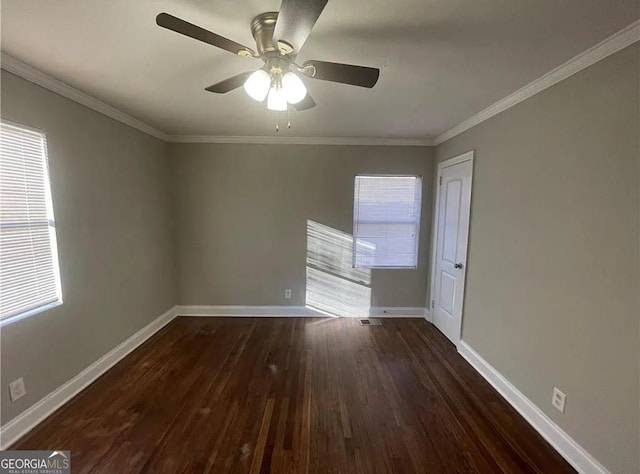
441,60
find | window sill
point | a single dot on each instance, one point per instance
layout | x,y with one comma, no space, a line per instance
31,312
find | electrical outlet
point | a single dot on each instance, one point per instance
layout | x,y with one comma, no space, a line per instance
17,390
287,294
558,399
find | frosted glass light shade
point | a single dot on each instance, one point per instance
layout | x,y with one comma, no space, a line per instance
257,85
294,88
277,99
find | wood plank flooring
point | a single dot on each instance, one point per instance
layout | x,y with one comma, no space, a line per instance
289,395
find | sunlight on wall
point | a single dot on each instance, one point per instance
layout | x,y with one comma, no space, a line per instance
334,287
331,250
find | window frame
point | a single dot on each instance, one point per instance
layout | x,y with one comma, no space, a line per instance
418,220
52,228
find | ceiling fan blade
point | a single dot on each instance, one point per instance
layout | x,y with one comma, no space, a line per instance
230,84
173,23
306,103
345,73
295,22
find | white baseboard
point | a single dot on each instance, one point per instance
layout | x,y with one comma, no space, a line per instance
27,420
568,448
291,311
397,312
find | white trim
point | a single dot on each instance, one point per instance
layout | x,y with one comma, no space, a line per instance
568,448
456,160
290,311
14,66
398,312
270,140
467,156
28,419
245,311
27,314
23,70
609,46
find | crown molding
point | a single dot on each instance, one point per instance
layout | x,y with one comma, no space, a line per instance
14,66
609,46
270,140
31,74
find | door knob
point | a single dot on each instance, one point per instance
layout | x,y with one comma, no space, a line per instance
457,265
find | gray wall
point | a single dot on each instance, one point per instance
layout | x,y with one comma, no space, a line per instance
111,197
553,269
242,210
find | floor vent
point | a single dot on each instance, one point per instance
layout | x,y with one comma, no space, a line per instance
370,322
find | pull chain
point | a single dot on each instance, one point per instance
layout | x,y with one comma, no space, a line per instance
288,119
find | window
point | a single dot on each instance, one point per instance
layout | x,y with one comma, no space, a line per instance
29,274
386,221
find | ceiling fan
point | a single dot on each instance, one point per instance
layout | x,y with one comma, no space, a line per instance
279,38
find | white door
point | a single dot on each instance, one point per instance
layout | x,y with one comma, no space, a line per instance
453,203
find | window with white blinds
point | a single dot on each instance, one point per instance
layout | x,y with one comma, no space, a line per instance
29,274
386,221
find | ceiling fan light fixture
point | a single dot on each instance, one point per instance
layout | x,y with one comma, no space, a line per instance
294,88
257,85
279,36
277,99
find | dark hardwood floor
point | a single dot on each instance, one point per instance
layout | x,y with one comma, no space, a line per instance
236,395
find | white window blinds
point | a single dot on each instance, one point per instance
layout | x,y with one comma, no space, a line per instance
386,221
29,274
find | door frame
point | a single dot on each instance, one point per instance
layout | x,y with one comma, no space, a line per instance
467,156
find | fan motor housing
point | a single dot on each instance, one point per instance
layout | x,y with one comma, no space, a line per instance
262,28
